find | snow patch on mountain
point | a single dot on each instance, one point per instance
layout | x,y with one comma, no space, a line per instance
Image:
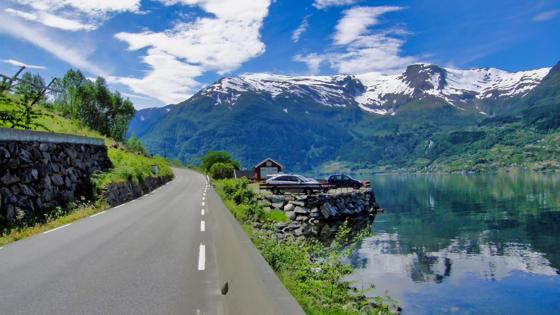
379,85
325,90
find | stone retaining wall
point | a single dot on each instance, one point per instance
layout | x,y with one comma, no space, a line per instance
309,214
36,176
119,193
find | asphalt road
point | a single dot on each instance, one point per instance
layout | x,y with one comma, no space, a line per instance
168,252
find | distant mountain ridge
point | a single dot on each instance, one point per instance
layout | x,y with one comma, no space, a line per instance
410,120
381,93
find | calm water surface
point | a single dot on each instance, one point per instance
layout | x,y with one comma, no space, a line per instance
466,244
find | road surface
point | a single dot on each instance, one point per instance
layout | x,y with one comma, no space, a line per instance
169,252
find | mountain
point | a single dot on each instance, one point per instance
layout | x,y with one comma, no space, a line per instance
385,94
361,121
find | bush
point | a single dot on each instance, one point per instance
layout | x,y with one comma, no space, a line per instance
134,145
128,166
221,170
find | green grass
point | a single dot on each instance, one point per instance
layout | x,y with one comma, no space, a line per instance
275,216
27,231
56,123
133,167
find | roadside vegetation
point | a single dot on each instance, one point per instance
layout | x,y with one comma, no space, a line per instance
314,273
78,107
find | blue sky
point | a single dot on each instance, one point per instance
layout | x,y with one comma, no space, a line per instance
162,51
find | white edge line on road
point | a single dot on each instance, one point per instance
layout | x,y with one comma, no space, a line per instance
202,212
119,206
58,228
202,226
202,257
99,213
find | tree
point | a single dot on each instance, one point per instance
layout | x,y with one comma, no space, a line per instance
29,87
221,170
135,145
213,157
94,104
27,93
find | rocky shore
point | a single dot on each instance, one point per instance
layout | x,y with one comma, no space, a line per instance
319,215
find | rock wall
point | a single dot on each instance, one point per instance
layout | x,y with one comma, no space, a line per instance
38,174
317,214
119,193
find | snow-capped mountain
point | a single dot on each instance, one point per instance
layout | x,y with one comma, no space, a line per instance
384,93
411,119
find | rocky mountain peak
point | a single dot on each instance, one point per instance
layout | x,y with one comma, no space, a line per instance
424,77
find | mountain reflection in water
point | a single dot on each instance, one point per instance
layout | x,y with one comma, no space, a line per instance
465,244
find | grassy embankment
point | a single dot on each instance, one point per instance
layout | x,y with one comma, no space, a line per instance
127,166
313,273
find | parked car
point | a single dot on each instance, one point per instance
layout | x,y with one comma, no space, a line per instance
293,183
344,181
290,179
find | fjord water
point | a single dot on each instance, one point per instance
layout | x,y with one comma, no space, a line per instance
465,244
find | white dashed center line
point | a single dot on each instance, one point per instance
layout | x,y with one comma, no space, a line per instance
58,228
202,257
202,226
203,203
202,212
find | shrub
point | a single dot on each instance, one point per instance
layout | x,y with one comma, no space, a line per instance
221,170
214,157
134,145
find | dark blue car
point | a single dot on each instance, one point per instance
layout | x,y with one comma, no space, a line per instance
344,181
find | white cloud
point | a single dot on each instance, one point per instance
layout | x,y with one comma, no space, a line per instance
136,96
169,80
52,20
38,37
547,15
357,20
71,15
17,63
296,35
219,43
359,47
376,52
324,4
313,61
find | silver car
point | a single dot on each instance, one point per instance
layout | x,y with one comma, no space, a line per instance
290,179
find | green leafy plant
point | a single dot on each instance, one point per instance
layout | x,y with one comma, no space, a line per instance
214,157
221,170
